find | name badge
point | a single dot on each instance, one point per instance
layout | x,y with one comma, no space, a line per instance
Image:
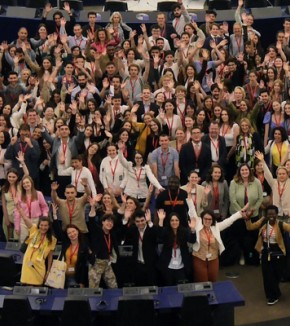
216,211
196,170
265,194
71,269
164,177
174,262
208,255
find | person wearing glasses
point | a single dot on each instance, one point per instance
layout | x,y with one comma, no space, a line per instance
134,184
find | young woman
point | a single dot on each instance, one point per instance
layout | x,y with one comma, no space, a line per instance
208,243
174,260
189,122
218,197
4,164
38,255
198,193
106,204
137,173
33,205
152,141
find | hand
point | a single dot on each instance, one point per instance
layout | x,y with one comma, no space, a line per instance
20,157
240,3
66,7
150,188
54,209
161,214
135,108
54,186
148,215
62,21
143,28
28,141
259,155
106,83
13,140
92,201
192,224
207,190
121,145
127,214
84,181
98,197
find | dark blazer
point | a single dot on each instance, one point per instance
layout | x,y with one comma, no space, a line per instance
188,161
222,148
207,41
149,243
166,253
81,269
140,112
31,156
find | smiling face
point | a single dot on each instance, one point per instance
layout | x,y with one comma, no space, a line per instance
72,234
216,174
207,220
43,227
174,222
245,172
12,178
193,179
26,184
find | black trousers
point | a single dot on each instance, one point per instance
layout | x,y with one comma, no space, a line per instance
272,272
144,274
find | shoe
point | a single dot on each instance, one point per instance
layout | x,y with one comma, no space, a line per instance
271,302
242,261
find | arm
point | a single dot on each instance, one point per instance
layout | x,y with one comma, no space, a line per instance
26,220
176,168
254,226
54,195
152,177
148,198
267,172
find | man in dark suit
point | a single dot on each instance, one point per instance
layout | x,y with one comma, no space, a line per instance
145,105
213,37
143,237
91,27
216,143
194,155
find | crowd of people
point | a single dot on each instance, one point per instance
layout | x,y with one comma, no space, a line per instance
150,142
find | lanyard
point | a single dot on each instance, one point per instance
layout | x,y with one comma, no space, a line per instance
239,41
73,252
197,152
133,85
279,148
170,125
246,199
182,114
268,235
64,148
138,177
216,146
13,195
70,210
164,162
207,233
281,191
80,42
174,202
215,196
113,170
175,246
40,244
277,122
261,178
245,143
23,149
108,242
78,177
224,130
155,141
176,23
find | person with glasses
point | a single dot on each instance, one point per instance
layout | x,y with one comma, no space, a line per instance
135,184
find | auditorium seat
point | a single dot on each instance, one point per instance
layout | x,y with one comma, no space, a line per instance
219,4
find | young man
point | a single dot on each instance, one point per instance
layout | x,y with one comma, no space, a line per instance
71,209
104,245
181,17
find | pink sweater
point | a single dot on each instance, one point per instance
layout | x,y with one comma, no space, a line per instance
38,208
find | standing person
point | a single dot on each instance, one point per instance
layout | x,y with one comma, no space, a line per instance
195,155
136,176
41,243
104,245
72,209
32,203
174,260
280,186
245,188
164,161
29,147
208,243
272,247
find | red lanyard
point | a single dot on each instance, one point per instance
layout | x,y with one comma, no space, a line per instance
239,41
281,191
216,196
133,86
108,242
182,114
168,96
73,252
64,148
278,123
80,42
196,152
174,202
113,171
13,195
253,91
270,234
23,149
40,244
155,143
176,22
170,125
194,200
138,177
207,233
164,162
78,177
71,210
29,203
175,246
216,146
261,178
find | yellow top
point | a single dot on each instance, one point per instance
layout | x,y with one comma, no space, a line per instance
278,153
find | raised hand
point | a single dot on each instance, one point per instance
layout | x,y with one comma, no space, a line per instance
192,224
259,155
148,215
54,186
161,214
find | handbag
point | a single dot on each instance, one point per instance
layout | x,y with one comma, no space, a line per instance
56,276
24,245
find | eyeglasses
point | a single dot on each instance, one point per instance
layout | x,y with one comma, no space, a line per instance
138,157
207,219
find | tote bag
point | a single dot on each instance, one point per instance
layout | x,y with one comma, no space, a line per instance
56,276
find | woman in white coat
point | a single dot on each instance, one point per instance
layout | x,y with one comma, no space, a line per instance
135,184
208,243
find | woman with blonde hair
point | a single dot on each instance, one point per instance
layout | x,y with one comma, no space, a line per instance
32,203
116,22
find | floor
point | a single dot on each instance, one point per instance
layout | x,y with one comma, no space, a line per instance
256,312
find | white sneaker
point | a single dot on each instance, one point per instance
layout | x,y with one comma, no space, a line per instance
272,302
242,261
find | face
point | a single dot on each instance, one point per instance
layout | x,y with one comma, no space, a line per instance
287,166
138,159
277,136
147,120
196,135
174,222
107,199
245,172
146,94
243,106
245,127
286,108
82,81
43,227
208,103
124,136
107,224
12,178
102,35
24,134
140,223
46,64
164,142
37,133
217,111
180,135
76,164
92,150
213,130
116,18
154,126
276,106
130,205
270,74
201,116
26,184
49,113
78,31
133,71
272,216
22,34
238,94
160,98
259,167
70,194
169,107
193,178
72,234
264,97
188,29
190,71
111,70
188,122
88,131
207,220
64,131
282,175
111,151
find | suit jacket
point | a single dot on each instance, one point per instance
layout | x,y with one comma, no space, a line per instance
209,39
140,112
188,161
222,148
